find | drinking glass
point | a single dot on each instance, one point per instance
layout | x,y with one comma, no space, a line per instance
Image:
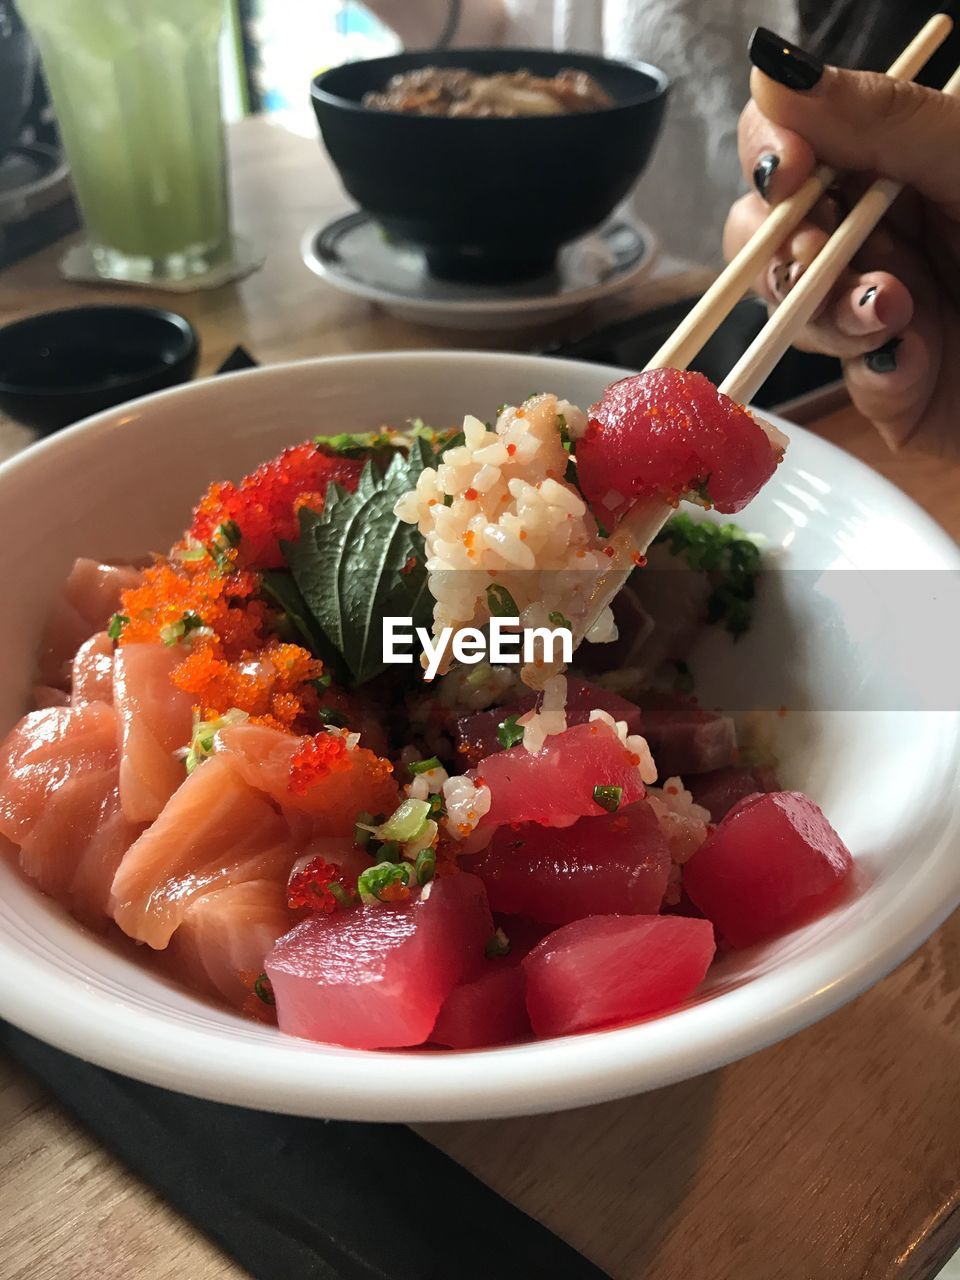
136,88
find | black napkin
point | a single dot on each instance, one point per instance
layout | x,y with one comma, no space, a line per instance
294,1199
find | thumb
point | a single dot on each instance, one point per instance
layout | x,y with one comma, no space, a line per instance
860,120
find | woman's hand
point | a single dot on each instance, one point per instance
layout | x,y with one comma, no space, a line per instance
894,319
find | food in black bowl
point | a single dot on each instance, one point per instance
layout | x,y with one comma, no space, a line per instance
60,366
489,197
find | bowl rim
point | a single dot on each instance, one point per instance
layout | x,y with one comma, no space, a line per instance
190,346
659,89
298,1077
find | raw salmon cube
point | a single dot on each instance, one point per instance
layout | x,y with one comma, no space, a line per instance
214,831
92,678
91,595
263,757
156,720
224,938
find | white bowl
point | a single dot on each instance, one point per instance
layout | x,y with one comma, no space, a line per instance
124,482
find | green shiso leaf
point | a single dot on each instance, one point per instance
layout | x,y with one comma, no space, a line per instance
356,562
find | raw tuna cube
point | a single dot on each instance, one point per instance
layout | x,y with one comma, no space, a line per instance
616,863
487,1011
92,679
773,863
224,939
684,737
90,595
156,720
554,786
376,976
214,831
262,756
614,969
665,432
477,734
721,789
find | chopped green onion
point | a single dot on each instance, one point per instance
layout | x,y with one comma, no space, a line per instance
501,408
423,766
608,797
437,808
362,831
178,630
204,732
498,944
500,602
480,674
389,851
425,867
372,883
323,682
560,620
331,716
263,989
406,821
343,897
509,732
562,428
197,552
228,532
448,499
117,623
351,446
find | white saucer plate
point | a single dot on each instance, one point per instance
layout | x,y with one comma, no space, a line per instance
354,254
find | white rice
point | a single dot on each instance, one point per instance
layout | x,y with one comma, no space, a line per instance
549,717
683,822
466,803
634,742
524,527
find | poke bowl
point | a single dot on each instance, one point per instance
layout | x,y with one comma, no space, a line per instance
877,754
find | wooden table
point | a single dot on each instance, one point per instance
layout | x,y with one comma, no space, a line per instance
834,1156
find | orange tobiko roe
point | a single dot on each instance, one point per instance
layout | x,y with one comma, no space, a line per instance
317,758
264,504
273,685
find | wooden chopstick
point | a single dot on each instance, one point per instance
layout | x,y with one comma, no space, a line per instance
801,303
737,278
645,520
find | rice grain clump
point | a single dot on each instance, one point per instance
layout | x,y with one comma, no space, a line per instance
503,527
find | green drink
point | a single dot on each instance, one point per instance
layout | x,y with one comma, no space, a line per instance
136,89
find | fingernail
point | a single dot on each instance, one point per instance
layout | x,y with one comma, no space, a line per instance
782,61
763,172
884,359
865,297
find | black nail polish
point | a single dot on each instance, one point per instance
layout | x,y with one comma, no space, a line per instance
884,359
763,172
783,61
865,297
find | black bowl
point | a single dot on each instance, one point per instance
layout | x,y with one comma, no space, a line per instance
60,366
490,199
